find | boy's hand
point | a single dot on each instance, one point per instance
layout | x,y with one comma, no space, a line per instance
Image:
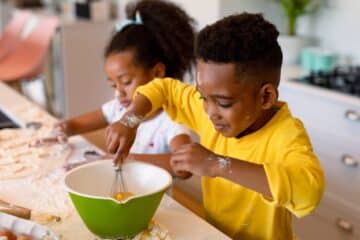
119,139
194,158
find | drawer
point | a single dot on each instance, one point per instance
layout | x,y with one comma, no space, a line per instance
333,142
340,160
332,115
314,228
332,220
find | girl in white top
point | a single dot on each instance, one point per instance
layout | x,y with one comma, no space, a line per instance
144,47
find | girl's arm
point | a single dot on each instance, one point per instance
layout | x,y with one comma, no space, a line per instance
84,123
163,160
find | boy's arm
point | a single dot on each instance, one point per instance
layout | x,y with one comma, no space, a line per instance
169,94
163,160
296,184
160,160
84,123
200,161
121,135
246,174
180,101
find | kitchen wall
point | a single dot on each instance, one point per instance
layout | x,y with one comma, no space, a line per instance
335,25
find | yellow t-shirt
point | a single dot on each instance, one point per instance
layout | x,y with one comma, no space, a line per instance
295,177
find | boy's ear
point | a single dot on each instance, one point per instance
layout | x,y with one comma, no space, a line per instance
159,70
269,96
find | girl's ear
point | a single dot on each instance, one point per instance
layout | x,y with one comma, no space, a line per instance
159,70
269,96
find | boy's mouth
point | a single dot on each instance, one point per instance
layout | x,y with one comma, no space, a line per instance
219,127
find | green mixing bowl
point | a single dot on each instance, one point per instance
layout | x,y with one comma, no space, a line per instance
89,188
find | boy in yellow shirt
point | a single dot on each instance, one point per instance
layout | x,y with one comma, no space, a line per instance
256,160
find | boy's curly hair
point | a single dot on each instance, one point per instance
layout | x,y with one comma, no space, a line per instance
166,35
246,39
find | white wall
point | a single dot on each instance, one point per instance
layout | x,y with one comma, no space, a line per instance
204,12
209,11
337,26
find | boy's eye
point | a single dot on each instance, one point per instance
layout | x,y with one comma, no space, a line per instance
225,105
113,86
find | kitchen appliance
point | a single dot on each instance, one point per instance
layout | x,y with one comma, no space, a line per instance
6,122
345,79
318,59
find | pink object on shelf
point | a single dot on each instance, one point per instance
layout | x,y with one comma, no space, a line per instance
27,60
11,35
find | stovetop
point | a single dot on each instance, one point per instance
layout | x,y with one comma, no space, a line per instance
342,79
6,122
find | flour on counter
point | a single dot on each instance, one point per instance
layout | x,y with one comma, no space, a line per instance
32,177
18,160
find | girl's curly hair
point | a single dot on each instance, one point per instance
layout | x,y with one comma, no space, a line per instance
166,35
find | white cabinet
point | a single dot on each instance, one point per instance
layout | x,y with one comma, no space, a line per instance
80,80
333,123
333,220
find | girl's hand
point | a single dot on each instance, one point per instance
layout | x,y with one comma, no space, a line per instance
60,131
119,139
194,158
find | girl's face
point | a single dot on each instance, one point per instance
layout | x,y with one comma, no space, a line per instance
234,106
125,76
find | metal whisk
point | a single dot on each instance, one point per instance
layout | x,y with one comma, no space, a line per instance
119,183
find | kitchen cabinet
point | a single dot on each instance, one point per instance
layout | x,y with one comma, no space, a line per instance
80,83
333,220
333,124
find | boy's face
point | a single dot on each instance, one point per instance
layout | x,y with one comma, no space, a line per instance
124,76
232,104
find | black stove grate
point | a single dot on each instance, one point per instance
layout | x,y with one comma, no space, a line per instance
342,79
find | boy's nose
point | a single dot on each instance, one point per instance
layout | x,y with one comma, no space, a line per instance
212,112
215,117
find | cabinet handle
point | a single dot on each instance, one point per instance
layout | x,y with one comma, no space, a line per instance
352,115
349,161
344,225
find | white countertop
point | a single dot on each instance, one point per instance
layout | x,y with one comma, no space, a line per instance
181,223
